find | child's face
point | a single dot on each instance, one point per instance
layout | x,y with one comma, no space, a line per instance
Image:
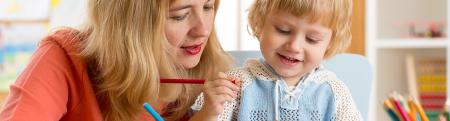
291,45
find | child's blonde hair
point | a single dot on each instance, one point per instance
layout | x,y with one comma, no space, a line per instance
128,53
335,14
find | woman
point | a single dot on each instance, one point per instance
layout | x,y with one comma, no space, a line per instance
108,69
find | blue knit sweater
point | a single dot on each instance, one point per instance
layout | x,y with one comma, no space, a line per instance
264,96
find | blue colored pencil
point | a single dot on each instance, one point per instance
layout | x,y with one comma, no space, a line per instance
392,115
390,110
153,112
418,116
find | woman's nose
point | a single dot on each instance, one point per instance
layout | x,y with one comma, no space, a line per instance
198,27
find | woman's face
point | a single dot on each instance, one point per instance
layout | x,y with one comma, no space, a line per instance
188,26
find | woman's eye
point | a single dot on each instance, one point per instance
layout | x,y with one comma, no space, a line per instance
179,18
281,31
208,8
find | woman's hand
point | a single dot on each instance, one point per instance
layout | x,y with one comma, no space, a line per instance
216,93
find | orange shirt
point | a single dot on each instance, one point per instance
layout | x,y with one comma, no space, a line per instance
55,85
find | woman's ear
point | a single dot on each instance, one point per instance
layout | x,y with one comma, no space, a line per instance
258,37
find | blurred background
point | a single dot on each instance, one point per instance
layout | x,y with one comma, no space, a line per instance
405,41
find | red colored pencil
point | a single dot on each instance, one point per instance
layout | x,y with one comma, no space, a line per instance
183,81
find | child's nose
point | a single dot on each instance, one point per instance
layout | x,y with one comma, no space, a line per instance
295,45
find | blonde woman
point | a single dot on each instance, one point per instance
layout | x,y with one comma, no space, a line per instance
108,69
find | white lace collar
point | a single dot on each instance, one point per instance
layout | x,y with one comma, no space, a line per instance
262,71
258,69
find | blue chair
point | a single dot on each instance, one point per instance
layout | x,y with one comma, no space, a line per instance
354,70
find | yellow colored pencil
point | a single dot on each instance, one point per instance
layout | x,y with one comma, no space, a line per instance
413,110
419,108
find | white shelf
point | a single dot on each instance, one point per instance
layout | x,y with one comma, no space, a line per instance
387,25
410,43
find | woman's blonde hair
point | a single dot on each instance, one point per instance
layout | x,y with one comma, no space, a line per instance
335,14
128,53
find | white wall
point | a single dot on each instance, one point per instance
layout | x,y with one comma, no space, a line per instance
232,26
70,13
231,22
393,20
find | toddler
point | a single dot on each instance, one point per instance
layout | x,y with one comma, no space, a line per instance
289,84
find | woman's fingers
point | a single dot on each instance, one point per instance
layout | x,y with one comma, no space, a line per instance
222,75
223,83
221,90
219,87
223,80
219,95
221,99
225,76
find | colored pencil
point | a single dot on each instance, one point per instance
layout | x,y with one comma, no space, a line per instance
413,110
390,110
419,108
402,111
191,81
153,112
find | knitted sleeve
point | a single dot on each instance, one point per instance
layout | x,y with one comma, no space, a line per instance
231,109
345,106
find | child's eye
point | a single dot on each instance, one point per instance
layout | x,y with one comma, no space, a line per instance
179,18
312,40
281,31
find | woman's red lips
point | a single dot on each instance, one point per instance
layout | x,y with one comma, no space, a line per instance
192,50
